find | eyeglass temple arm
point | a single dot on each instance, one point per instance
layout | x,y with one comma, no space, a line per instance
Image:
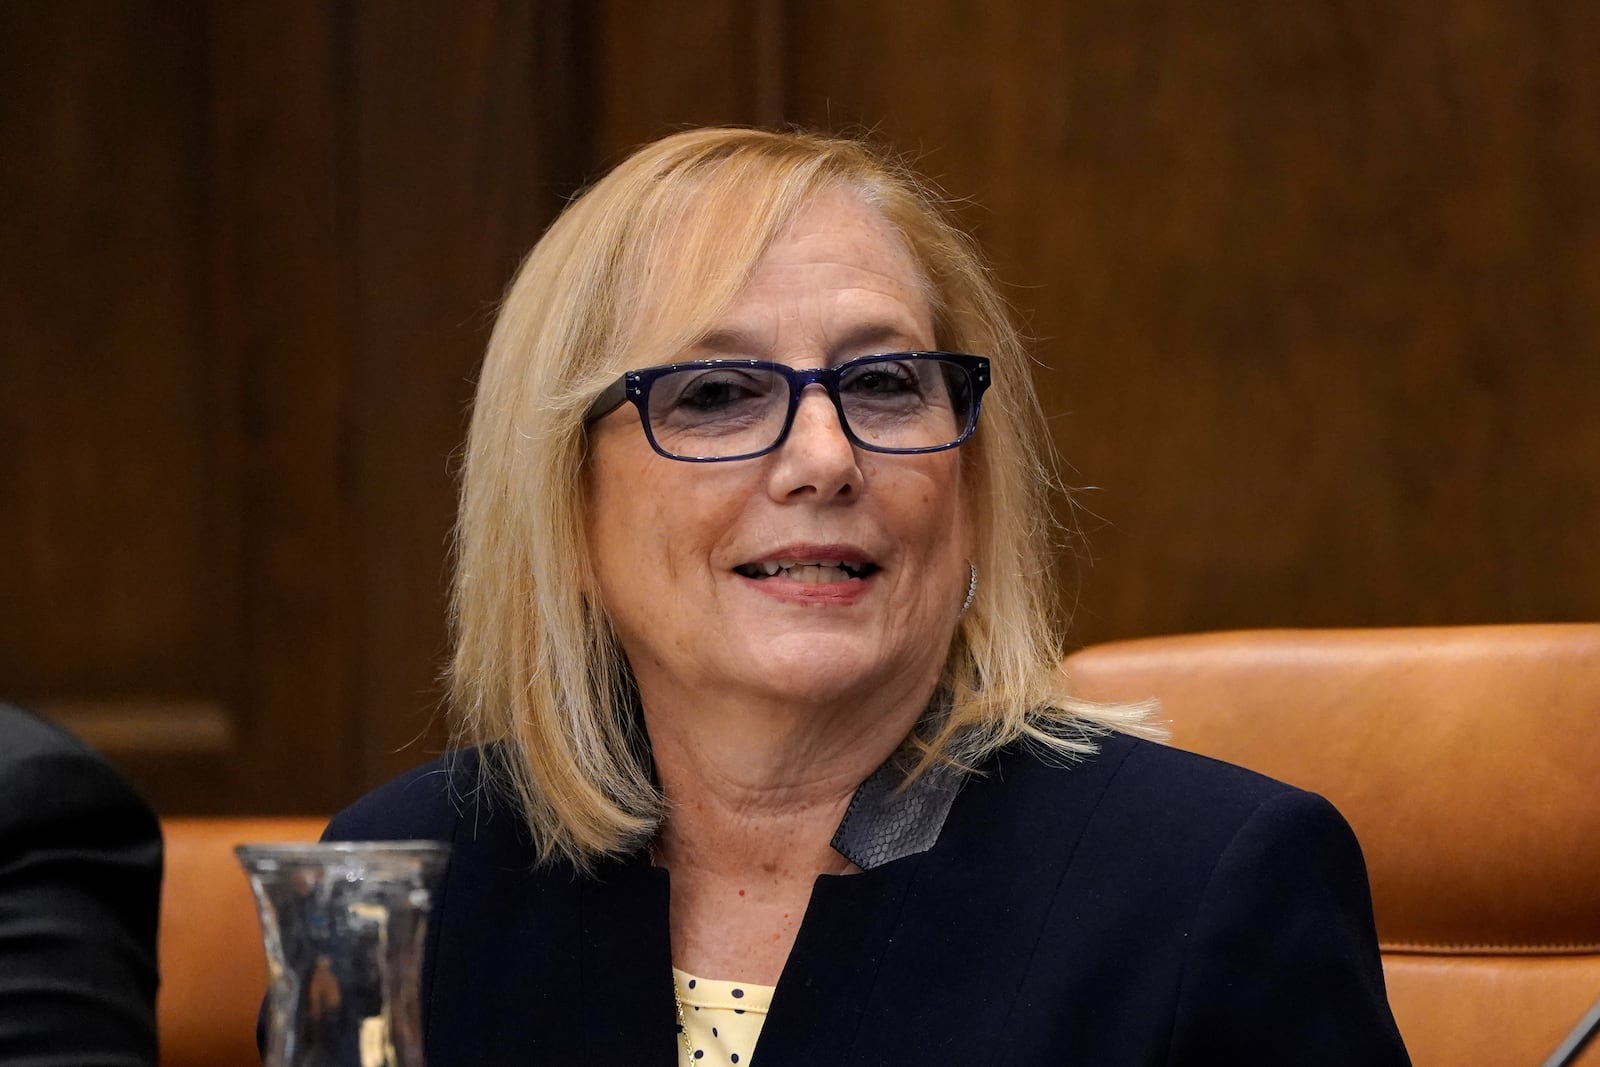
613,397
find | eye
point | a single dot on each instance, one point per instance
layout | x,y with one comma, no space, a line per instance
887,379
708,392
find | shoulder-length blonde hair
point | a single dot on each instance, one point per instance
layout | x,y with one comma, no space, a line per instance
538,679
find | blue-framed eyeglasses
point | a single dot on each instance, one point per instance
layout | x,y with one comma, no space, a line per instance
711,410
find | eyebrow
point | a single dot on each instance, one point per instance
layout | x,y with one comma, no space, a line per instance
728,343
873,338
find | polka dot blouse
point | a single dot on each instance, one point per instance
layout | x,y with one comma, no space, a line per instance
723,1019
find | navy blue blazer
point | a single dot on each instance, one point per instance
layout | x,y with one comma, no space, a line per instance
1143,906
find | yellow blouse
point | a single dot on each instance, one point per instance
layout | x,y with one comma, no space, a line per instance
723,1019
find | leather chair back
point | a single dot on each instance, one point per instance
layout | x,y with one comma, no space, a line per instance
213,968
1467,759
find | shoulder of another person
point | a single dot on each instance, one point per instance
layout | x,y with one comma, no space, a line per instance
46,771
25,737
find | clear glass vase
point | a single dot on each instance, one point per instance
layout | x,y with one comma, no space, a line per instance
344,925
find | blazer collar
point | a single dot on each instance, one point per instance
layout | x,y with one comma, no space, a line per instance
886,821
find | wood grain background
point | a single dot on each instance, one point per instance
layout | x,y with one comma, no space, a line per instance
1315,289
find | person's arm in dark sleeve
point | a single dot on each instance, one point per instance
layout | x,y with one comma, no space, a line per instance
1284,965
80,884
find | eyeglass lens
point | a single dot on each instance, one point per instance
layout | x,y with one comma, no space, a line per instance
912,403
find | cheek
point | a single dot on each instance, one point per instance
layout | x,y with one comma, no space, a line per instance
618,506
654,523
960,512
933,512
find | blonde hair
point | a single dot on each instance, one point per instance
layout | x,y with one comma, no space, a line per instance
538,679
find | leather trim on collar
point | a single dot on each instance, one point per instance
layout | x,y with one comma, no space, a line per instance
885,822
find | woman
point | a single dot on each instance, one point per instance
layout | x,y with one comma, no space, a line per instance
764,735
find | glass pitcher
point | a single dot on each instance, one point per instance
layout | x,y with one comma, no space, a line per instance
344,925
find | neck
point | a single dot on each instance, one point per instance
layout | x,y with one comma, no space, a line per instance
755,792
763,788
756,784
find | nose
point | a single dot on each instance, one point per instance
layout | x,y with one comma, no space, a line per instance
816,458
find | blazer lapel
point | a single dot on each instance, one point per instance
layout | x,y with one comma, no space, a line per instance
499,986
625,974
832,969
921,959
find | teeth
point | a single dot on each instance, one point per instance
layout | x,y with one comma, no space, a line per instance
812,571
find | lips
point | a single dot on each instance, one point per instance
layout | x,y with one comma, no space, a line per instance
812,571
812,565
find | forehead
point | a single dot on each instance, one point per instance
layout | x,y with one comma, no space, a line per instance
836,276
841,223
719,272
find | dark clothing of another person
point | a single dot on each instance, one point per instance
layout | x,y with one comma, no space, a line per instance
80,883
1145,906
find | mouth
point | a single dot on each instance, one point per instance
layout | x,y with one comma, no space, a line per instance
811,571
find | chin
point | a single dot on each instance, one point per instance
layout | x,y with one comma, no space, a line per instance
826,667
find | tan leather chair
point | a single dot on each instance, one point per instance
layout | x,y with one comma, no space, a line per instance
213,968
1468,761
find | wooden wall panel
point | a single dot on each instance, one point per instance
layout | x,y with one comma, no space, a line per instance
459,159
104,263
260,246
282,283
117,575
659,67
1314,286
